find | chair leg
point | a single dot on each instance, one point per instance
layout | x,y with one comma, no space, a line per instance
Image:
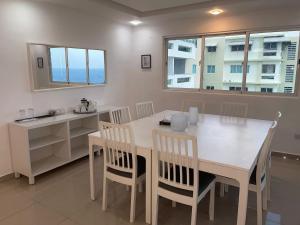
222,190
194,214
132,204
268,186
104,197
141,186
226,188
259,207
155,213
265,199
173,204
212,203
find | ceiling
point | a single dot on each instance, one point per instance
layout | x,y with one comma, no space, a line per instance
150,5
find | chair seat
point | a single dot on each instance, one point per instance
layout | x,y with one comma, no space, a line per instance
141,167
253,176
205,179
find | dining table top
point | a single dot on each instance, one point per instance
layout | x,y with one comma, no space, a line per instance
228,141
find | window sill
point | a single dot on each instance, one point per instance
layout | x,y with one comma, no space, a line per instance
71,87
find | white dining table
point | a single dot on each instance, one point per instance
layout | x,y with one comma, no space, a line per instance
227,146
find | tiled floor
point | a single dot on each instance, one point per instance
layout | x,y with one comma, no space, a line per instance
62,197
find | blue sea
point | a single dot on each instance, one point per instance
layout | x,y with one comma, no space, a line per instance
97,76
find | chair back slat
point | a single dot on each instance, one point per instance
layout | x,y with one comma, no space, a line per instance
264,153
120,115
234,109
144,109
201,105
119,149
176,158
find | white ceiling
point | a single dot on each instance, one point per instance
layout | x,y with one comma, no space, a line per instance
150,5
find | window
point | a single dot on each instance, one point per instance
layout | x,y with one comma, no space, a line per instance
270,53
194,69
211,48
211,69
96,66
270,46
58,64
266,90
239,48
170,46
288,89
210,87
85,66
184,49
267,77
236,69
271,62
183,79
290,73
231,88
77,65
183,70
268,68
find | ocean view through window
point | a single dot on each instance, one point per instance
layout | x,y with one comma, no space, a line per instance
77,65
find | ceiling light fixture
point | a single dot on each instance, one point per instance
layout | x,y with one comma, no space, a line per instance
136,22
216,12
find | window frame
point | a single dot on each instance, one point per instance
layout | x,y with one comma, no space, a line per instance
243,91
77,84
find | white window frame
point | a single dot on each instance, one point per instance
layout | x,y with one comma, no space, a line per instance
245,62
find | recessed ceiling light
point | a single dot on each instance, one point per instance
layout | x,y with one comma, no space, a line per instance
216,11
136,22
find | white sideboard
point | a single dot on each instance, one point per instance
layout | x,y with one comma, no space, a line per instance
45,144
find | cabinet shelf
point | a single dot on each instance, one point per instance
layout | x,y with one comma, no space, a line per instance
46,164
44,141
79,152
79,131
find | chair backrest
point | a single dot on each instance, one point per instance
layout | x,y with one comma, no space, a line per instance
176,159
264,153
234,109
193,103
144,109
119,150
120,115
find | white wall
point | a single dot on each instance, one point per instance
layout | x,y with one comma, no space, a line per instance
22,22
148,40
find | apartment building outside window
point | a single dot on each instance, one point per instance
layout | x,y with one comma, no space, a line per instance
272,57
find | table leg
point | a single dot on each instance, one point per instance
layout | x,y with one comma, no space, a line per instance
148,187
243,201
92,174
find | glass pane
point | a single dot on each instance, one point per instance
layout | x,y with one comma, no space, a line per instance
77,65
96,66
58,64
273,62
184,56
223,62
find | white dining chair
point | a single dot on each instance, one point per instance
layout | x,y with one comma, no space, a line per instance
120,116
175,158
234,109
277,119
186,104
144,109
258,178
121,163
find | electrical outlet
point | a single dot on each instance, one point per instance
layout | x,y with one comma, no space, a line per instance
297,136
